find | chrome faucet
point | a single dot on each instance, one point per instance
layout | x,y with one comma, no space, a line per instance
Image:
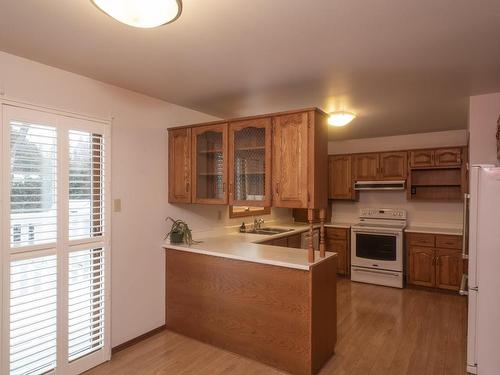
257,223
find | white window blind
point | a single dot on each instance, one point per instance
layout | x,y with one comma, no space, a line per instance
33,314
86,302
86,182
55,251
33,184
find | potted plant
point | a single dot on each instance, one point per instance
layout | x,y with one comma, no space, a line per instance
179,232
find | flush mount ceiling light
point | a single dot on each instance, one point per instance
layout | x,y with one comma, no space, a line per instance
340,118
141,13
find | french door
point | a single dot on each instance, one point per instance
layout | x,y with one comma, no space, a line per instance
55,242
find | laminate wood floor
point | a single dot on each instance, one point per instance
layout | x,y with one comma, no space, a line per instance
380,331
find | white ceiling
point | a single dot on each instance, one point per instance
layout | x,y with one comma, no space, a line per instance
404,66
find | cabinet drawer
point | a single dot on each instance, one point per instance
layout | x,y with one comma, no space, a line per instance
421,239
449,242
337,233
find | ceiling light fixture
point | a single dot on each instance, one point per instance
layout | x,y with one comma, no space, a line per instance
340,118
141,13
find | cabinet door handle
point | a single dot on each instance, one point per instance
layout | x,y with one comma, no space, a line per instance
277,188
187,187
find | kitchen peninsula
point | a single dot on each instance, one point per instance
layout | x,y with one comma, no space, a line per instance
265,302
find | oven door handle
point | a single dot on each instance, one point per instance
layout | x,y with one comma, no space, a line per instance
396,234
377,272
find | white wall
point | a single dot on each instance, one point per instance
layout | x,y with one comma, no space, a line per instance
399,142
483,115
139,178
444,213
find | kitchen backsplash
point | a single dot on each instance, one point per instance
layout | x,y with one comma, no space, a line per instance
446,213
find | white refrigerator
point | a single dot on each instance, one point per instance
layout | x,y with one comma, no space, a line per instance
483,336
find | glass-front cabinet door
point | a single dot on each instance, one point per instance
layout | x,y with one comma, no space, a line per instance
209,164
250,162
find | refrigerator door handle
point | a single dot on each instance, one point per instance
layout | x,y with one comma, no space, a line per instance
465,236
464,290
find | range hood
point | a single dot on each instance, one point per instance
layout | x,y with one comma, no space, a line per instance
380,185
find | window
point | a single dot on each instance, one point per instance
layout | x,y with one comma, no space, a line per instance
86,177
55,306
33,176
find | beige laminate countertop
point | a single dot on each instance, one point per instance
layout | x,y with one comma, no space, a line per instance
247,247
345,225
434,229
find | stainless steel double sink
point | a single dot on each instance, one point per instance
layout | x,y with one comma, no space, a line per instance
269,231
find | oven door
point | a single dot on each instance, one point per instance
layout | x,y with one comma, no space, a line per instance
377,249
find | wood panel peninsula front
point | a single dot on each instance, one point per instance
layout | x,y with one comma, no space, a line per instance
268,303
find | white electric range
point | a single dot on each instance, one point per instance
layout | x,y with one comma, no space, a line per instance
377,247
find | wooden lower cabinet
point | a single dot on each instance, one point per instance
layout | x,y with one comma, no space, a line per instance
338,241
449,268
435,267
340,247
295,241
282,241
422,271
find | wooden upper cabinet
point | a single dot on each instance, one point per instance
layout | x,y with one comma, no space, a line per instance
449,268
179,165
209,164
448,157
422,158
250,162
441,157
290,149
300,160
278,160
340,177
393,165
366,167
422,269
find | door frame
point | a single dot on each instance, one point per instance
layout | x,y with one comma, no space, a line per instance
104,126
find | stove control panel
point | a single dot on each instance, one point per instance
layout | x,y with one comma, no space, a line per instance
382,213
